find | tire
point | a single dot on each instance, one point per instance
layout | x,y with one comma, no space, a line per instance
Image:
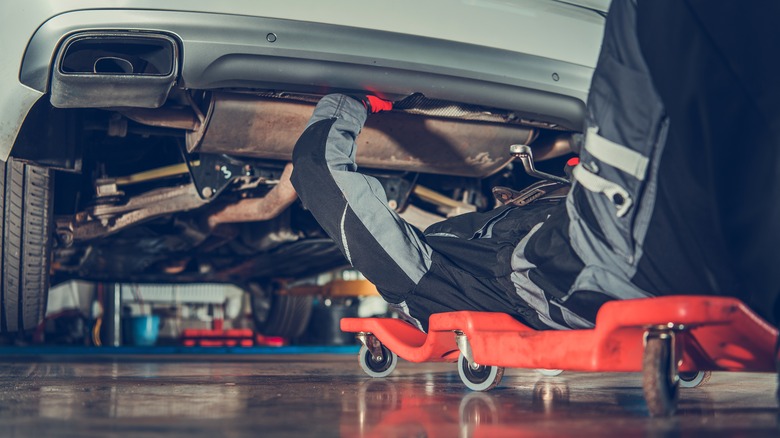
286,316
659,377
694,379
377,368
481,378
548,372
25,244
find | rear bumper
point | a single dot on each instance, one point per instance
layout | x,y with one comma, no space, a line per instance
232,51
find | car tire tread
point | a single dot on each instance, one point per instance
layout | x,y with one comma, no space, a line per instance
26,200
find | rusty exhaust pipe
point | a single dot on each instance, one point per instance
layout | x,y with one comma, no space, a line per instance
252,126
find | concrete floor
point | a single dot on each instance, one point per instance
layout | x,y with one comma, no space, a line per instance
328,395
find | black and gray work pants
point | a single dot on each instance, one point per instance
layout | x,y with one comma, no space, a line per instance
446,269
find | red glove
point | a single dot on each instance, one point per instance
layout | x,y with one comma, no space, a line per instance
374,104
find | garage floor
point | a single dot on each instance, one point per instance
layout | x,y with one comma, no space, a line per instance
328,395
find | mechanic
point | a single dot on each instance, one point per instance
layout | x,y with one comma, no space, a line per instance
669,198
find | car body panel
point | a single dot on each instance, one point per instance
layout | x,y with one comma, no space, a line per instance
546,48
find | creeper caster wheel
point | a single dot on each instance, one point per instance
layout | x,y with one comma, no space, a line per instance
549,373
379,365
694,379
479,377
660,381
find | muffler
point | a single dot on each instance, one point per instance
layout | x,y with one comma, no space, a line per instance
267,128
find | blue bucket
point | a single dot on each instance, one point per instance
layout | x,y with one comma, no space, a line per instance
145,329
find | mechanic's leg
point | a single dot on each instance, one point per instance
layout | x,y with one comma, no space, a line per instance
352,207
710,65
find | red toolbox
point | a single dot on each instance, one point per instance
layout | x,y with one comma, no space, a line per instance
666,338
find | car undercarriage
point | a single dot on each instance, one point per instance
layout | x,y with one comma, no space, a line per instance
148,145
146,204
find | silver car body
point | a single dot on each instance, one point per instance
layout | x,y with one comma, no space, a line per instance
550,46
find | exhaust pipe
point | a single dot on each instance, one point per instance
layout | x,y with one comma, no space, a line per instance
112,65
252,126
114,69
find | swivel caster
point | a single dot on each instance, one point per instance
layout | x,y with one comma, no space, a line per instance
475,376
374,358
549,373
479,377
694,379
660,380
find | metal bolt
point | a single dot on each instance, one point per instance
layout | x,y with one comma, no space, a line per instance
66,237
378,358
392,204
271,37
207,192
555,77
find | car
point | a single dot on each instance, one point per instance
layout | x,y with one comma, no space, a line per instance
127,126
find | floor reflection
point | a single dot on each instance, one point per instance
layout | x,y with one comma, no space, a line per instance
548,406
184,401
385,407
330,396
549,394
